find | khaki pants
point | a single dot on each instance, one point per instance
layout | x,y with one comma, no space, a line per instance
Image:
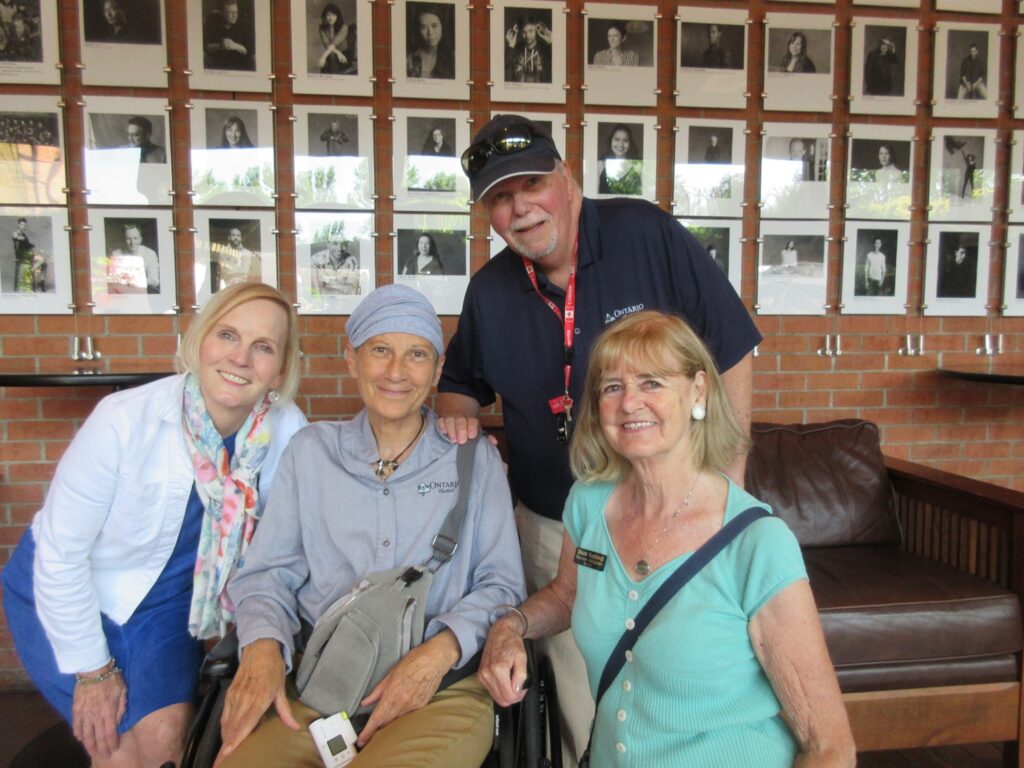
454,730
541,541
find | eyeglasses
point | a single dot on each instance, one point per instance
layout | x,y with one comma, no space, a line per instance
511,138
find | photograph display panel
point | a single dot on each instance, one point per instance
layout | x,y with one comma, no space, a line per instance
427,170
876,259
332,47
35,265
962,177
969,6
127,151
333,157
1016,201
233,247
229,45
966,82
883,77
430,49
791,275
123,43
712,60
878,182
798,62
131,261
32,152
335,265
531,37
795,170
232,153
619,156
431,254
721,239
890,3
621,54
956,270
30,52
709,168
1013,291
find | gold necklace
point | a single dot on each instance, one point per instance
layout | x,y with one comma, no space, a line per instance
384,468
643,567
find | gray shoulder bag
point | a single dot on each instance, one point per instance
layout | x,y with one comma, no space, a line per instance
357,641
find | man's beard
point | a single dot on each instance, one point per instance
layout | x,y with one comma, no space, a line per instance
534,254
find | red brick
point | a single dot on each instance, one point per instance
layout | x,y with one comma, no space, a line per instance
68,409
22,514
904,434
776,382
39,430
321,345
36,346
833,380
160,346
54,449
319,385
140,324
24,451
54,324
14,325
918,397
805,399
933,451
857,398
23,493
25,471
987,450
19,409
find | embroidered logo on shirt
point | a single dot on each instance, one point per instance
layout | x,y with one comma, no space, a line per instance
589,559
611,317
446,486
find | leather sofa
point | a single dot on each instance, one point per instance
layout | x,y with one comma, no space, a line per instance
917,575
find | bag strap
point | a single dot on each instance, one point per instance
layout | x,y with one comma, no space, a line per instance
446,541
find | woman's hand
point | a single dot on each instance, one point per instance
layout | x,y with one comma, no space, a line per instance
503,666
96,709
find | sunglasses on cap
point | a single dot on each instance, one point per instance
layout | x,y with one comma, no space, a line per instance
511,138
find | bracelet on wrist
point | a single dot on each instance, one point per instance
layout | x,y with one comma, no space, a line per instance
109,670
522,617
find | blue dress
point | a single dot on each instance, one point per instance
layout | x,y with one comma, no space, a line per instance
159,658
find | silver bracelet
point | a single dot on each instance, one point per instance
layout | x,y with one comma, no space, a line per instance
114,670
520,614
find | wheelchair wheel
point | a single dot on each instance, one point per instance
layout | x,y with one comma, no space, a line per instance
203,741
549,713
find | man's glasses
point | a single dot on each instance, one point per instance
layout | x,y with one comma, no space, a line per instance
512,138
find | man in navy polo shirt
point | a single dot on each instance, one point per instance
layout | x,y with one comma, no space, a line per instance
573,266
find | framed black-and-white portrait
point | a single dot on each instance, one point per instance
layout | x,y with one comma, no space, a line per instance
881,159
131,261
427,170
30,52
969,6
712,57
791,274
233,247
430,49
619,156
709,168
333,157
621,54
962,177
956,270
229,45
332,47
966,82
795,171
1013,274
721,239
876,258
127,151
35,266
531,37
335,266
1015,203
32,161
883,75
232,153
890,3
123,43
798,62
431,254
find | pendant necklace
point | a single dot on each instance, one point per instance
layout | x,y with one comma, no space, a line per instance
643,567
384,468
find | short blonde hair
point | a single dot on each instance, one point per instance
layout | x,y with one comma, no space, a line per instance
224,301
663,344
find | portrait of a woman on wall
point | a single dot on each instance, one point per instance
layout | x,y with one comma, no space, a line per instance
621,162
234,135
528,46
437,143
430,45
796,59
616,54
121,21
338,54
424,260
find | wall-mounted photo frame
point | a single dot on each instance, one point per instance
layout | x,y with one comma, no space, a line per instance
31,49
883,75
427,171
1016,199
332,47
431,254
963,174
35,269
621,55
232,153
32,152
709,167
966,80
876,259
1013,287
956,270
127,151
878,181
619,156
231,247
712,58
333,157
229,45
890,3
335,265
791,274
131,261
721,239
531,37
430,49
969,6
116,32
796,166
798,62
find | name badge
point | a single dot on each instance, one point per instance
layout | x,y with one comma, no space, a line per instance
590,559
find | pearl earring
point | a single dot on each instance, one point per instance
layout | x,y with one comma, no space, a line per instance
273,396
698,412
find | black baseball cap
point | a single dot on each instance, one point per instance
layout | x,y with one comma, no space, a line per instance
509,145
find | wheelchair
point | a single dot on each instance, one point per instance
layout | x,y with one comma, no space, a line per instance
526,735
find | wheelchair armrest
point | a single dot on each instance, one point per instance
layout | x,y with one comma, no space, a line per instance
222,660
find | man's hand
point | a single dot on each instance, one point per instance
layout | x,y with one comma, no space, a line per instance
544,33
459,429
96,709
503,666
511,35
